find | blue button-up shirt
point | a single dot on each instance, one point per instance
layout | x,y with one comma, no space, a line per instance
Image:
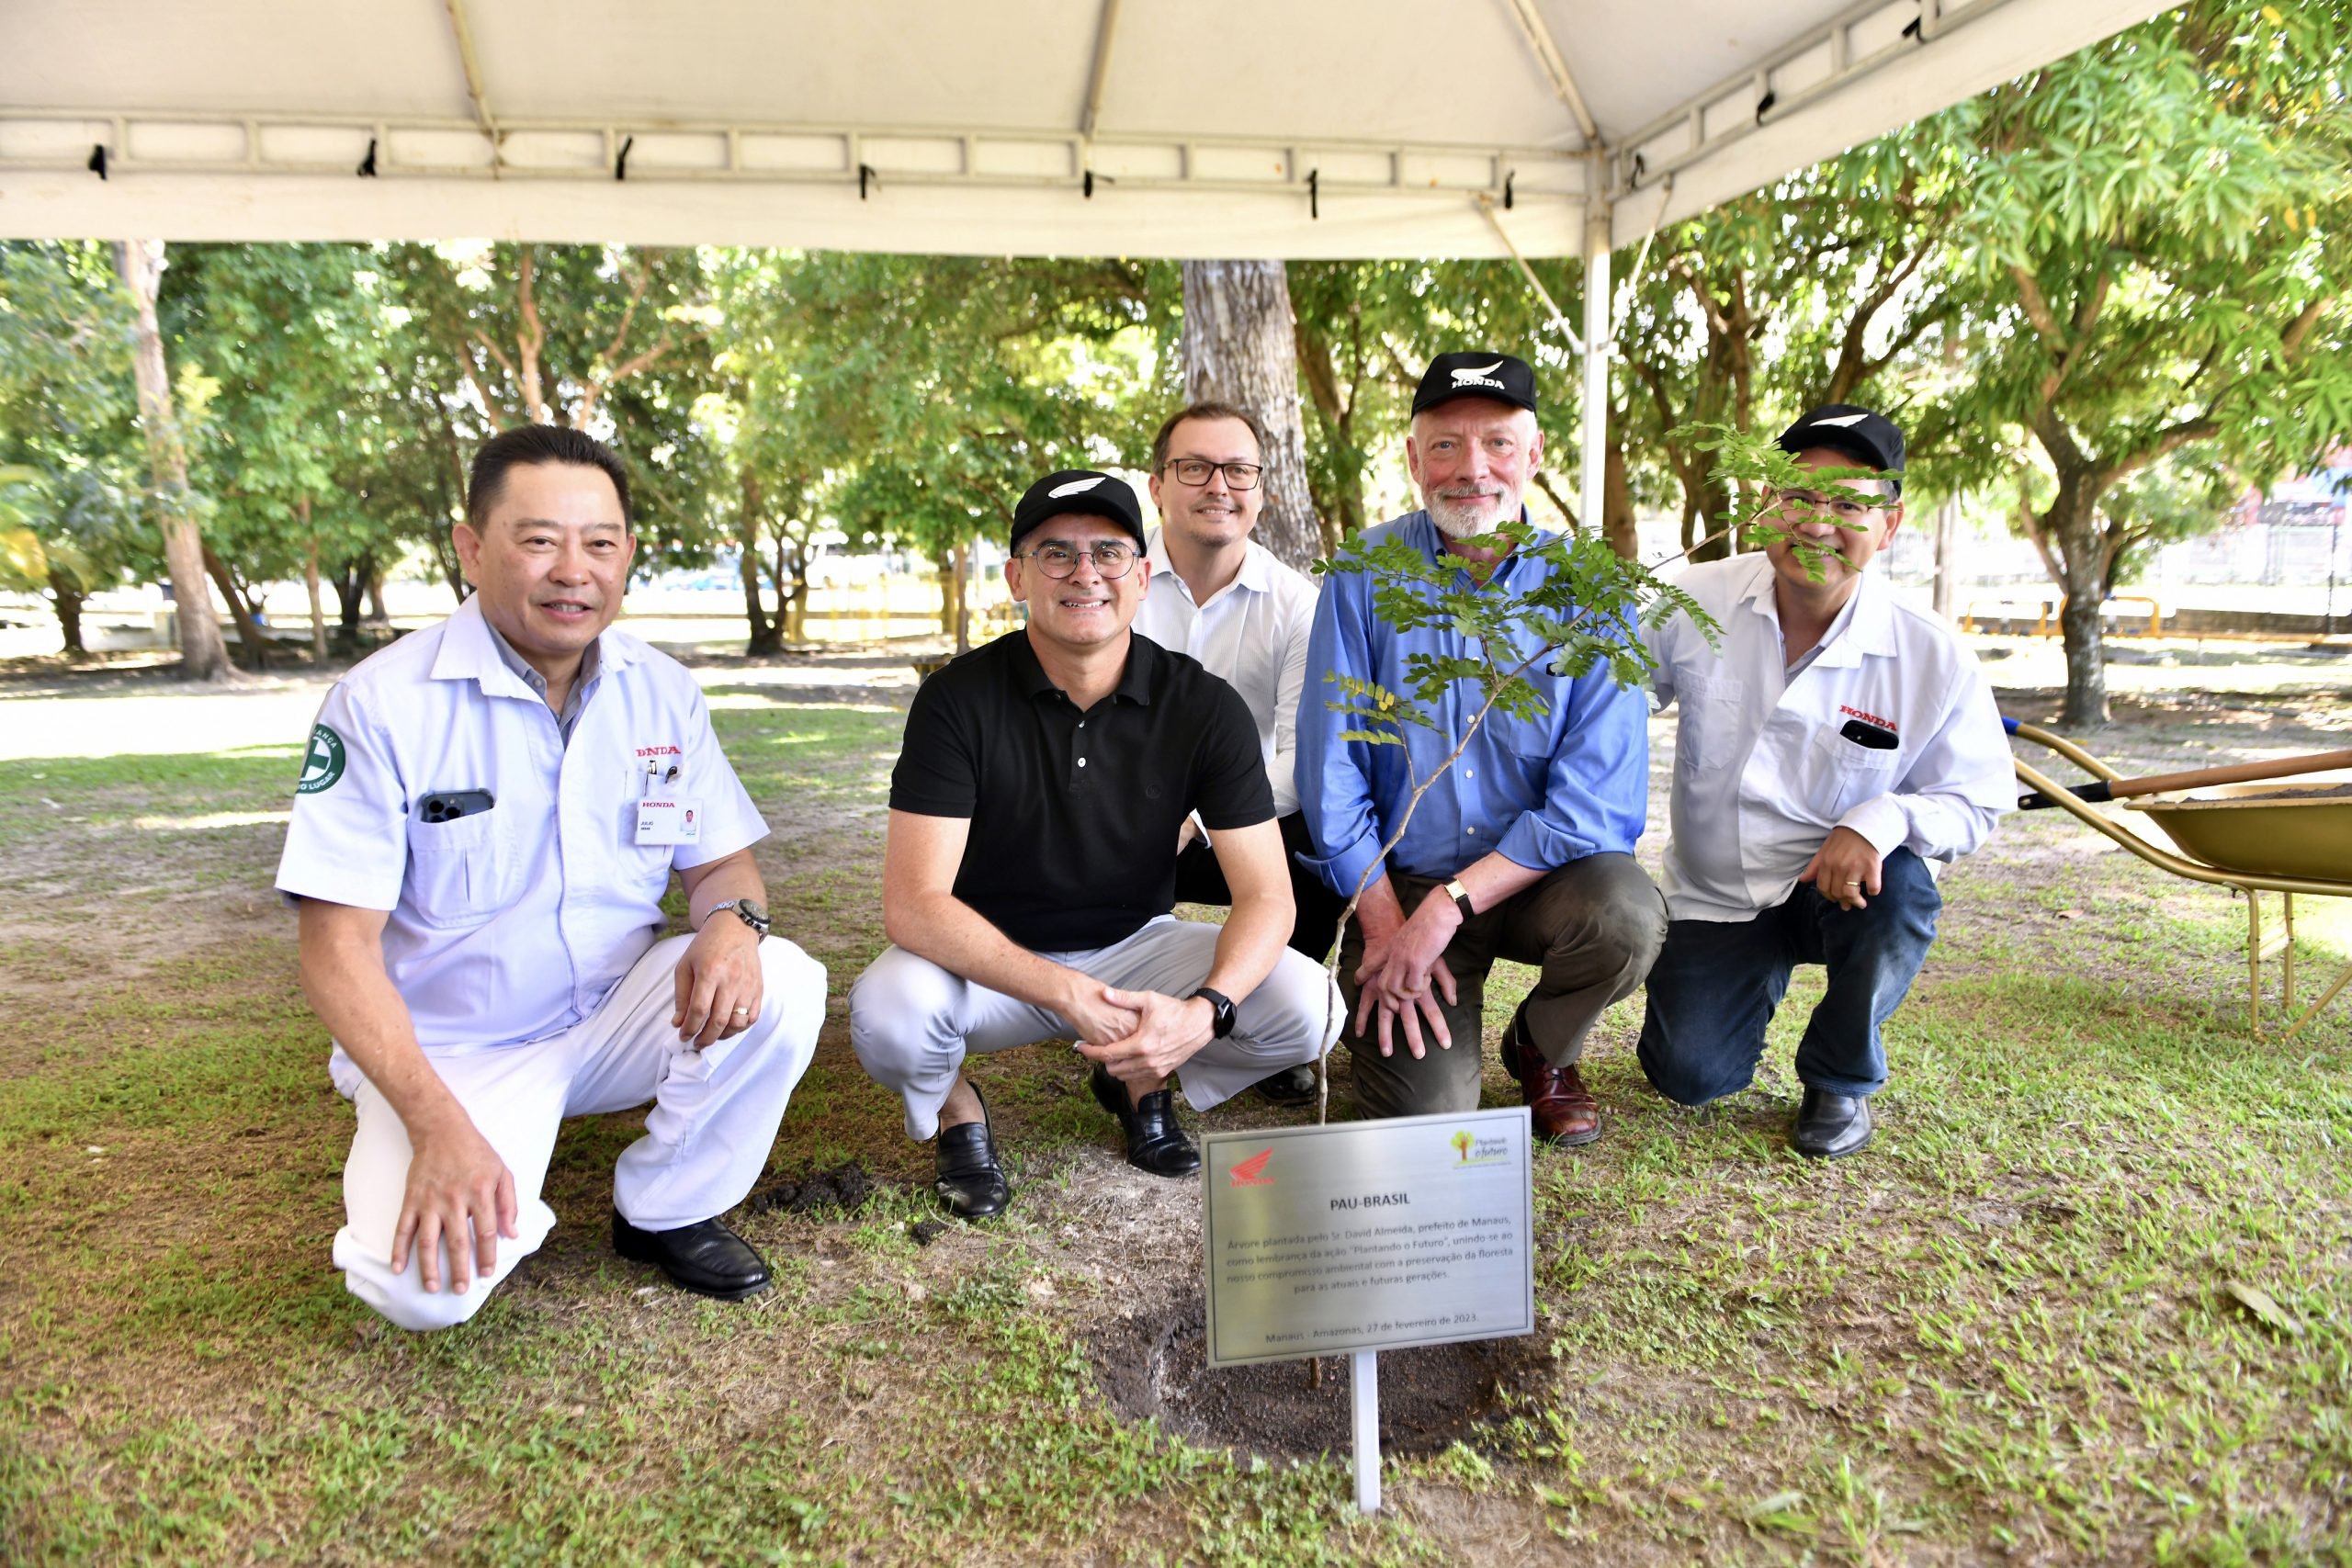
1570,782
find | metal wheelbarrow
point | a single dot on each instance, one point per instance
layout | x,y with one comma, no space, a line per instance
2230,831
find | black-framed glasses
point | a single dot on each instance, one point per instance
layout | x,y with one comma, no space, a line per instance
1113,559
1196,471
1844,508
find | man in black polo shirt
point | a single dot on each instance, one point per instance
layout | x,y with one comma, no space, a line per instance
1031,864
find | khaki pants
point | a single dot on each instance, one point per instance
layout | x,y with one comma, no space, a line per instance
1592,927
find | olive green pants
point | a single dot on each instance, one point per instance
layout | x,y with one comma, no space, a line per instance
1592,928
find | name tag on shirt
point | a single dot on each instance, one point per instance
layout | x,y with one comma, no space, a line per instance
674,820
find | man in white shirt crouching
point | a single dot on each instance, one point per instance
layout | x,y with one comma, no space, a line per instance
1218,594
1836,751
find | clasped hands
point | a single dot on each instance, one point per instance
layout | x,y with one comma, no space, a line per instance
1139,1037
1403,975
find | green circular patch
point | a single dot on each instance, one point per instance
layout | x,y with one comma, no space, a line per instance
322,763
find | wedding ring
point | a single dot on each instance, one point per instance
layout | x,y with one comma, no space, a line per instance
742,1013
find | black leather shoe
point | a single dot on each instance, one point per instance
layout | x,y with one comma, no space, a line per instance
1831,1127
706,1258
1155,1143
1290,1087
971,1182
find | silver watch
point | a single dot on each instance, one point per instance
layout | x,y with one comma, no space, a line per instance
751,914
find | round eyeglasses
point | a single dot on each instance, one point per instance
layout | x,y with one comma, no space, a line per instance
1112,560
1196,471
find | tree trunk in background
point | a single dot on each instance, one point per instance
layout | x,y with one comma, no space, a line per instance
792,588
249,633
66,596
2071,524
766,635
310,584
1618,525
963,578
204,655
1947,556
1240,347
377,614
349,585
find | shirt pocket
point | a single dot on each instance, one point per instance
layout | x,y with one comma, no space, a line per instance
1708,736
1843,773
460,872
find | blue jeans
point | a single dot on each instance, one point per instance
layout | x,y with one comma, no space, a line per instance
1716,985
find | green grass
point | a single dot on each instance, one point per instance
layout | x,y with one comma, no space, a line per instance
2009,1331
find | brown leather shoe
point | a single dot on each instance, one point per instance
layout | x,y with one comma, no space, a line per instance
1563,1111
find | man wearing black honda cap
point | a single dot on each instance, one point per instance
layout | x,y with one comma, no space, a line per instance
1838,749
1030,867
1523,848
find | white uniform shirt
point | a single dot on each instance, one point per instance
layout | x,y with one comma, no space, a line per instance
1252,634
509,925
1761,773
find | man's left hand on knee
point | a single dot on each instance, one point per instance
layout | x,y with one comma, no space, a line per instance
719,983
1844,869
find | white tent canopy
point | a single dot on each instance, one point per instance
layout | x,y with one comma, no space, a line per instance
1229,127
1139,127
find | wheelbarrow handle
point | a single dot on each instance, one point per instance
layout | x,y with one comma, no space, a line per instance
2196,778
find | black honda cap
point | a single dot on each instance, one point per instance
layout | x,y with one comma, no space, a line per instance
1868,437
1496,376
1077,492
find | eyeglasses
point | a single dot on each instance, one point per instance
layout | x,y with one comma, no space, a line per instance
1113,560
1839,507
1196,471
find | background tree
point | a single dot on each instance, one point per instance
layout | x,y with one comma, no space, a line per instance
2160,241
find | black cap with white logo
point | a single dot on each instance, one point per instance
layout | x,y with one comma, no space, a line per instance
1869,438
1495,376
1078,492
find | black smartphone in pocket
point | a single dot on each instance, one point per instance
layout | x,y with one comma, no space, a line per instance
449,805
1861,732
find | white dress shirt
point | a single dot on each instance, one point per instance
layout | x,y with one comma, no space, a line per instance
1762,772
1253,635
510,924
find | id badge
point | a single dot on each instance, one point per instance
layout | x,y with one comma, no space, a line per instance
675,820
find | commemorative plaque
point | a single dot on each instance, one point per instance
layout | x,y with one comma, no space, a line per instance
1368,1236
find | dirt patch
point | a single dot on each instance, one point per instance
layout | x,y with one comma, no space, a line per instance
1154,1367
843,1190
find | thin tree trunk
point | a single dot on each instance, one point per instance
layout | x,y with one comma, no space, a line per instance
310,583
377,614
249,633
765,638
65,597
2071,524
204,654
963,597
350,584
1947,556
1240,347
1618,525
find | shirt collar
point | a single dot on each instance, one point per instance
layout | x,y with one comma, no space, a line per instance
1134,680
471,650
1864,626
1253,575
1422,529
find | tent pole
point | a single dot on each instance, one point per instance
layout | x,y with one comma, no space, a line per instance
1599,335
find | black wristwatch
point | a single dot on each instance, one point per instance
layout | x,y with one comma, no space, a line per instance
1221,1008
751,914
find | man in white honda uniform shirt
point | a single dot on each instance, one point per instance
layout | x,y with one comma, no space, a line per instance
486,824
1838,750
1219,595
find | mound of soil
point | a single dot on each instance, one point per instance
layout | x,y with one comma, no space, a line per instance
1155,1367
845,1187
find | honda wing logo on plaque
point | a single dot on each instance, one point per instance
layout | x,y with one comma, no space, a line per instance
1378,1236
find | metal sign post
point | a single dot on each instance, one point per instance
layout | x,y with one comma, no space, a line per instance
1368,1236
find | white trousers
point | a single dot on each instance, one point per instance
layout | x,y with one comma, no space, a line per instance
912,1022
714,1119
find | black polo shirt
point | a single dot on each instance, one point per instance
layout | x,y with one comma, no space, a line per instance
1074,815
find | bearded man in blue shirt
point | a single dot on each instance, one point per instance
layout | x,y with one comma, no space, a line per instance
1522,849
